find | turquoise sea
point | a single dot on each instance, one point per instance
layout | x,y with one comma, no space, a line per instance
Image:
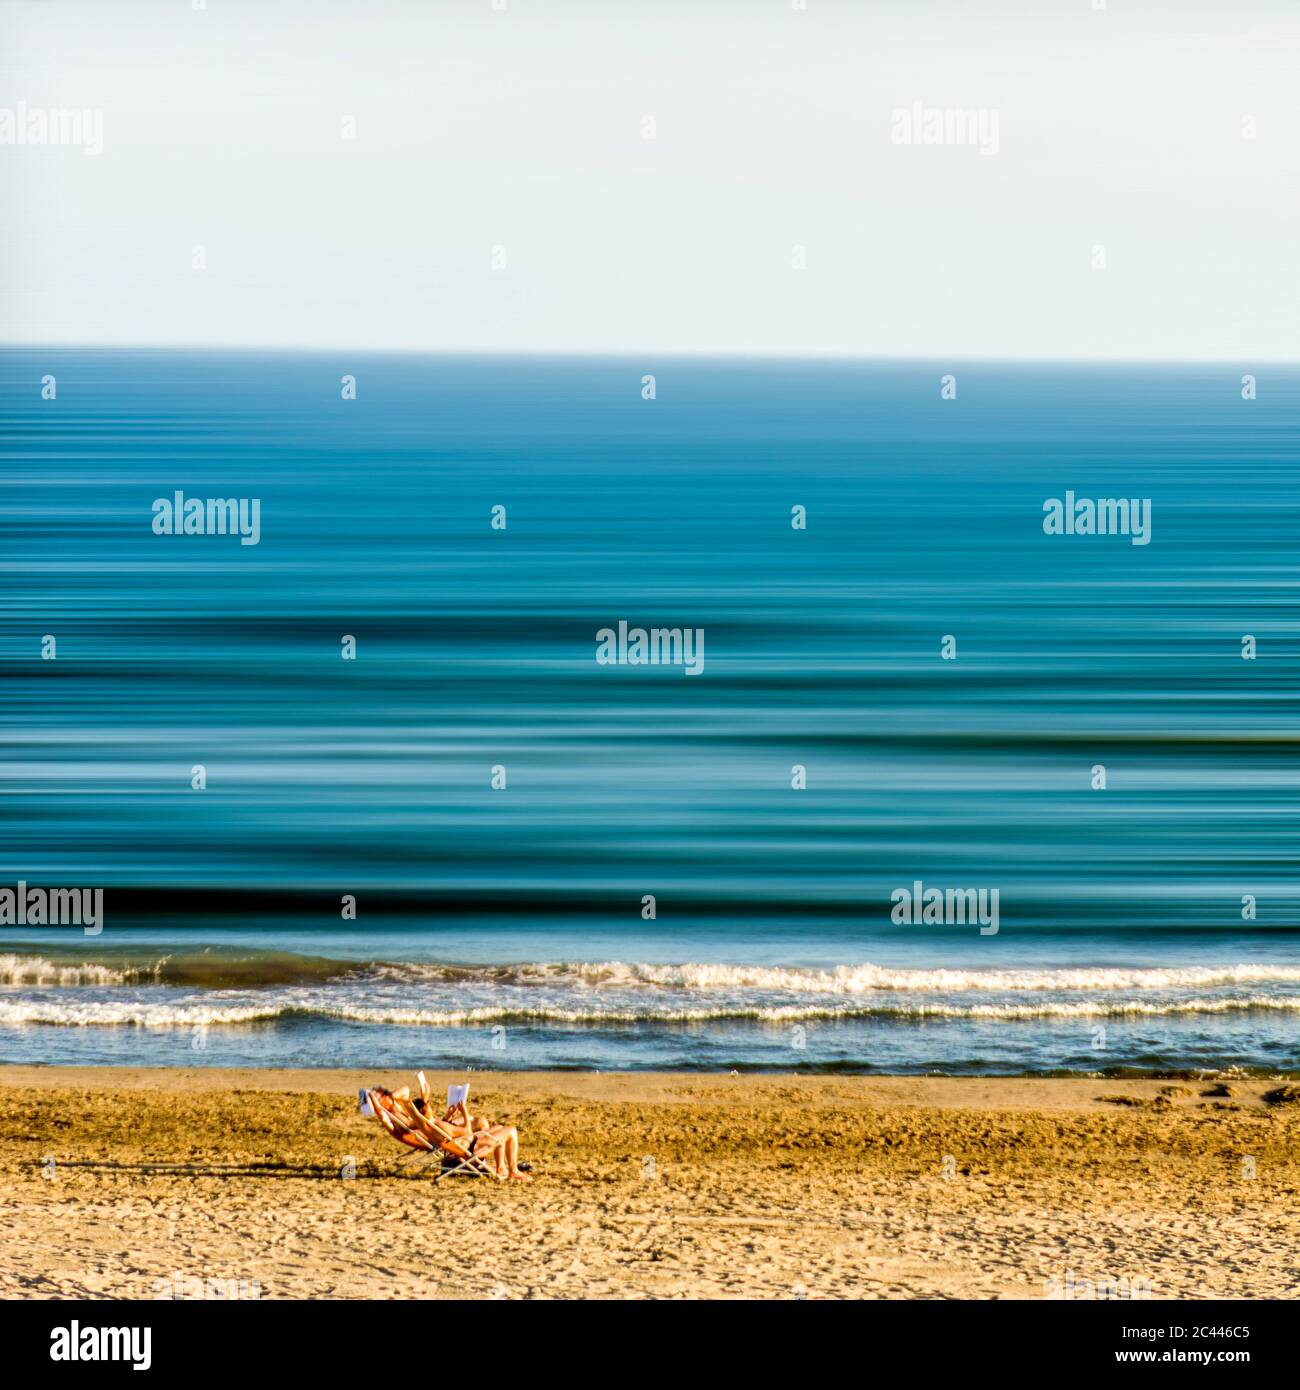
561,863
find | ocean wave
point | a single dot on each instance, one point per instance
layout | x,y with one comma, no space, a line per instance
201,1013
846,980
220,968
211,968
37,970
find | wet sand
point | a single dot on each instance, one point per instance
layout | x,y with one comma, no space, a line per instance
137,1183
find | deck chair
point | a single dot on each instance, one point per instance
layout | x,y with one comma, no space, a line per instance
424,1134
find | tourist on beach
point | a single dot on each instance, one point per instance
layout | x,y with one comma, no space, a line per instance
504,1139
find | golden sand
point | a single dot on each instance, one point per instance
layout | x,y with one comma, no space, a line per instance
114,1182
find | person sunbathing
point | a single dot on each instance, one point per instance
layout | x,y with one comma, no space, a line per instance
497,1143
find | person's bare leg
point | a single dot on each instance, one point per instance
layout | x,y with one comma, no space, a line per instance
505,1152
491,1142
511,1150
488,1148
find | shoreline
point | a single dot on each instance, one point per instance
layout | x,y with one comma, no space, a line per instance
1061,1091
1230,1072
124,1182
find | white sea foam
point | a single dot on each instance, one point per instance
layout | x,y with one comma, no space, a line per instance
851,980
36,970
133,1013
190,1014
789,1013
846,981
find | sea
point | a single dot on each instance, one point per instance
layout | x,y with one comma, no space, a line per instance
373,792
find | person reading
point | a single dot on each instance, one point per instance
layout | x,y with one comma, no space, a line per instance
496,1143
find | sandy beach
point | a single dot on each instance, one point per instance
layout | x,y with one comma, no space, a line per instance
135,1183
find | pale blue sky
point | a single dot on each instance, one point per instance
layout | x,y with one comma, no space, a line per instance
522,129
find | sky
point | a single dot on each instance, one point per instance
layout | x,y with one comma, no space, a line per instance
500,192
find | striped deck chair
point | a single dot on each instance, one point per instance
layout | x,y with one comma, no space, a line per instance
426,1135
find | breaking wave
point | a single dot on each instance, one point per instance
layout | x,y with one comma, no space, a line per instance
202,1013
846,980
215,968
36,970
